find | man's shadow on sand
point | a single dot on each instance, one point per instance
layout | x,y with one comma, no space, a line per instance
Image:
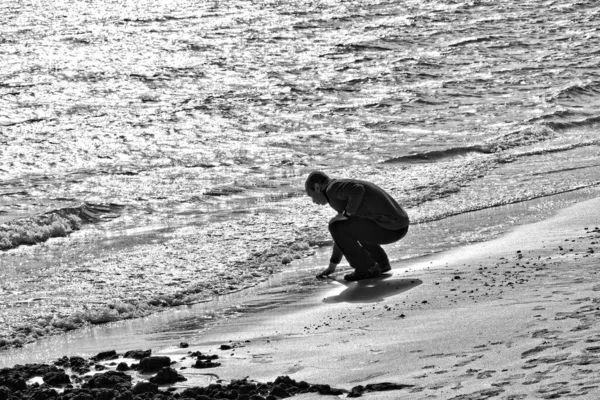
372,290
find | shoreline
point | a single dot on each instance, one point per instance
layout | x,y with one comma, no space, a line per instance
496,217
515,316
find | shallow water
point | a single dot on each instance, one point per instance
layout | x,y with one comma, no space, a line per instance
165,331
204,119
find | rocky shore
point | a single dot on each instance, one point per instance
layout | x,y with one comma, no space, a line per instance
514,318
138,375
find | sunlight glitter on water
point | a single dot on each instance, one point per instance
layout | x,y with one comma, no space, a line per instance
191,113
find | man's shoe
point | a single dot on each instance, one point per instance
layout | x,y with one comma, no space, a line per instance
379,269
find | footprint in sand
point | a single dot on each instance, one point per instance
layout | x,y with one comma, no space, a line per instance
554,390
468,360
548,360
545,334
480,395
593,349
593,339
535,350
485,374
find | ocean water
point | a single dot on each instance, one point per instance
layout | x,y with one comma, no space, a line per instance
198,121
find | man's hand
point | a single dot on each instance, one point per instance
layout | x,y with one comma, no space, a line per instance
327,271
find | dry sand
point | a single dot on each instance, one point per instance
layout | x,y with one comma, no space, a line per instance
512,318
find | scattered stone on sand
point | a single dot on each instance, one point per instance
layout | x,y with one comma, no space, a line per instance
358,391
205,364
119,386
166,376
109,380
105,355
137,354
122,366
56,378
78,365
153,363
145,387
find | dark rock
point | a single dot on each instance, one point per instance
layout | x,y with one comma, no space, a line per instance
41,393
279,391
205,364
105,355
104,394
77,364
326,390
122,366
302,385
138,354
12,380
6,393
285,380
225,347
56,378
145,387
126,395
166,376
184,345
246,388
153,363
357,391
77,394
109,380
201,356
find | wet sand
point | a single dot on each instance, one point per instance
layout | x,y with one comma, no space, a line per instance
516,317
513,318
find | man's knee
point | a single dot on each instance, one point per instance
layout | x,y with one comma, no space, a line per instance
335,228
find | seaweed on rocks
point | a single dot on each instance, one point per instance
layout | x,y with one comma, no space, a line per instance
167,376
116,384
204,360
153,363
109,380
119,386
105,355
137,354
357,391
76,364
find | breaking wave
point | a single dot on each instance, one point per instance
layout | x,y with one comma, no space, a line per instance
436,155
56,223
520,137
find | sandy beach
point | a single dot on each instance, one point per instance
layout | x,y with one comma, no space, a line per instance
152,165
511,318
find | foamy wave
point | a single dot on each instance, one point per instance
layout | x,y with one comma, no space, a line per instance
439,154
577,90
57,223
520,137
564,119
469,40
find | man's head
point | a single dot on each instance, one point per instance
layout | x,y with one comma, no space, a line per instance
315,186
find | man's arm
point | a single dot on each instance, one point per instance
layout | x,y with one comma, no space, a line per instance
336,257
352,193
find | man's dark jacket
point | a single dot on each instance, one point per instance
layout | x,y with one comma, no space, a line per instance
364,199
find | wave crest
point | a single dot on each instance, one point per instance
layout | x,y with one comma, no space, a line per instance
56,223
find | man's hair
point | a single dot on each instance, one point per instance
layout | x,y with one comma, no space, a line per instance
315,177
